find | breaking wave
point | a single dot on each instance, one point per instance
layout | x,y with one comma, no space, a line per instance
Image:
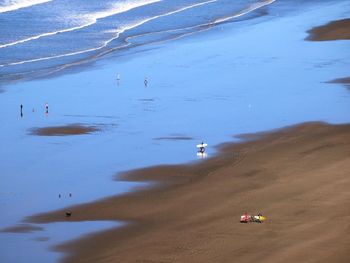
89,19
118,32
12,5
90,41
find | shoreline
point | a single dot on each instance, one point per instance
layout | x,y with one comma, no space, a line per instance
192,215
150,122
90,60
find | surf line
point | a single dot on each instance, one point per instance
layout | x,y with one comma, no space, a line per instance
245,11
98,16
22,4
110,40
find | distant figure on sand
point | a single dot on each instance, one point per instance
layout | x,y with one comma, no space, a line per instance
118,79
146,81
21,110
46,108
201,150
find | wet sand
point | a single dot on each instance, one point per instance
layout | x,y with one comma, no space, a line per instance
335,30
174,138
297,177
22,228
74,129
345,81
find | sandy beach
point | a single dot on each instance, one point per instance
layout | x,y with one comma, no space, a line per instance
71,129
297,177
335,30
111,172
345,81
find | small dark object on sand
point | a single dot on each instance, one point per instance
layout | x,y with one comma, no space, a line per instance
68,214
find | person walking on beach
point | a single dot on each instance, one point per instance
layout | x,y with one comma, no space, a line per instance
118,79
46,108
146,81
21,110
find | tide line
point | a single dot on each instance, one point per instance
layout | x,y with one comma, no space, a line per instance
245,11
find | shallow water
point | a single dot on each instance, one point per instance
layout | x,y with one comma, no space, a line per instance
242,77
32,245
53,34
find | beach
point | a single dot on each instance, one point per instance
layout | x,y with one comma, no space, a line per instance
335,30
73,129
103,105
297,177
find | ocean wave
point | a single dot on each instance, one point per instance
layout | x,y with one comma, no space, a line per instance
244,11
118,32
89,19
125,28
12,5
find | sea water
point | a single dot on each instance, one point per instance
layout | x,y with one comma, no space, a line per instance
243,67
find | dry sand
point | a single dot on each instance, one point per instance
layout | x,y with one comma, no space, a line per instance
72,129
335,30
297,177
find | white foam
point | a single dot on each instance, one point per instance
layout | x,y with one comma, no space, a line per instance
119,31
11,5
245,11
90,19
136,24
118,8
166,14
